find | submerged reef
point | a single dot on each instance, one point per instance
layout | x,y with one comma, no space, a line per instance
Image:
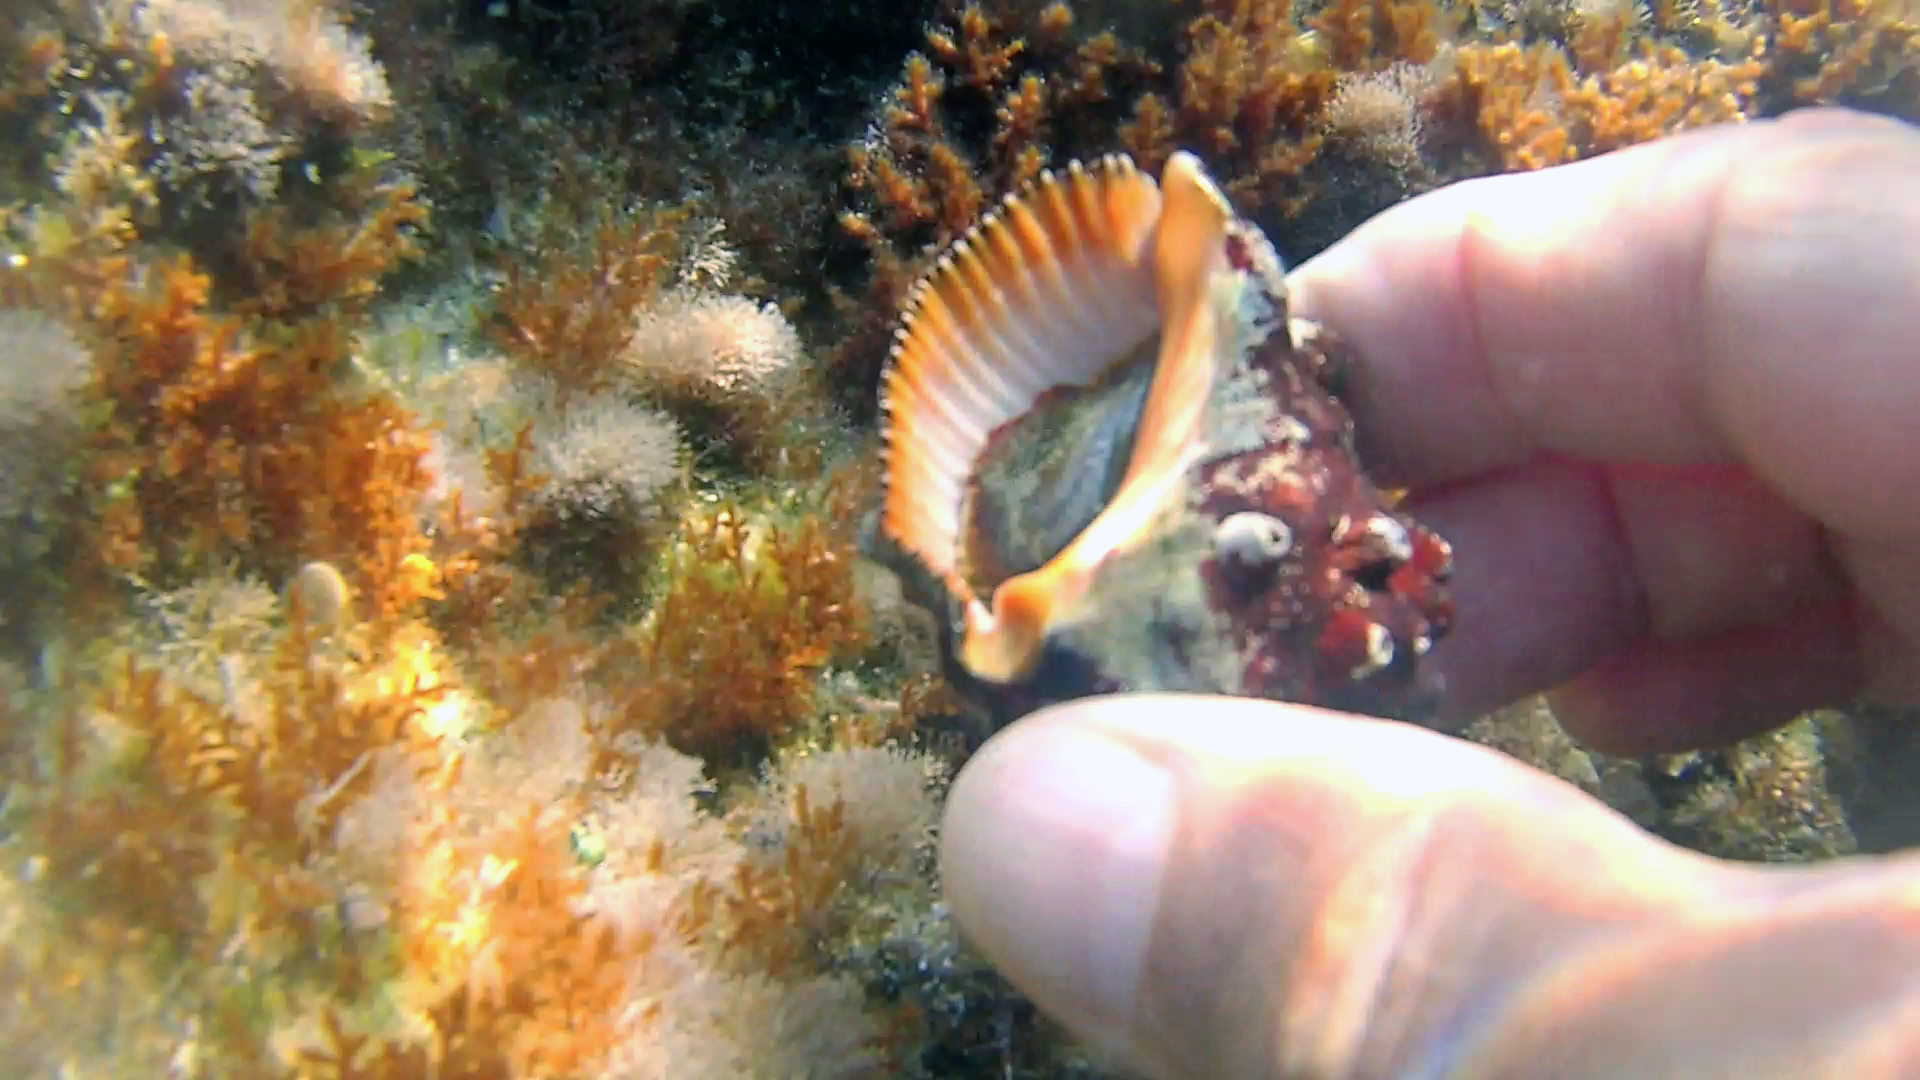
435,641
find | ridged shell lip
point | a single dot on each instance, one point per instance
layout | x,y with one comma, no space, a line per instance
1065,279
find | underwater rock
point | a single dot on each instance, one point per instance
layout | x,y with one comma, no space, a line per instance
1114,462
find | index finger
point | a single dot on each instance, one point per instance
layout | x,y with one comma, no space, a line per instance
1744,294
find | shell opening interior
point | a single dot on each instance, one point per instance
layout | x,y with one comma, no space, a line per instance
1045,476
1062,282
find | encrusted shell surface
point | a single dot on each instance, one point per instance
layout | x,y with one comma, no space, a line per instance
1113,462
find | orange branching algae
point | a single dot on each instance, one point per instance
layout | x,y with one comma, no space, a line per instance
511,961
1533,110
225,436
1040,88
361,882
1044,89
223,429
291,271
189,818
1362,35
748,615
568,314
1856,52
1249,92
775,917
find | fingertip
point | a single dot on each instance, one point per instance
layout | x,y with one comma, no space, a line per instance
1127,861
1052,848
1314,864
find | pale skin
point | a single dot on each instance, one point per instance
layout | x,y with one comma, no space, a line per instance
1666,405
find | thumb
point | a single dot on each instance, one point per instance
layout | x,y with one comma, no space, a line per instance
1227,888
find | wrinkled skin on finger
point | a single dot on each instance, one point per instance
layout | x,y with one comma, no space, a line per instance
1278,891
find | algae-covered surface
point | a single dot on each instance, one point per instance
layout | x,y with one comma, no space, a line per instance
432,440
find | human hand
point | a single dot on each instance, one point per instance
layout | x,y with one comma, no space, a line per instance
1230,889
1666,406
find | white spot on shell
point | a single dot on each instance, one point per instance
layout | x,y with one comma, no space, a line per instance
1249,539
1379,652
1388,539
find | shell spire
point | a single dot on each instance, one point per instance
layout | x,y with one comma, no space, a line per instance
1056,286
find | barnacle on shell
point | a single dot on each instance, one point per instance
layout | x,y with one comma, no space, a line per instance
1113,462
